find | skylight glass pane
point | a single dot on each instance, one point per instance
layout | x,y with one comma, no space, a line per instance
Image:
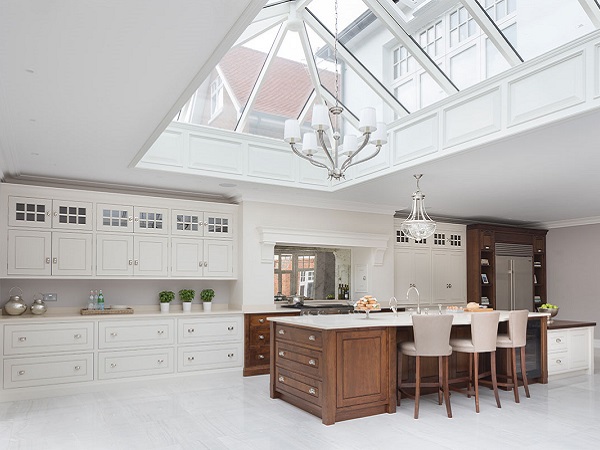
562,21
284,92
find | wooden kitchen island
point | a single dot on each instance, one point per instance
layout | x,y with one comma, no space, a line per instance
341,367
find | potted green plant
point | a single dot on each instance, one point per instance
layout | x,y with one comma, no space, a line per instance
207,295
165,297
186,296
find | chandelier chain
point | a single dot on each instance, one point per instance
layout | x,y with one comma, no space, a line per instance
335,61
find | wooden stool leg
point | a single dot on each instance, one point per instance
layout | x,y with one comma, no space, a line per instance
494,379
399,382
476,379
515,380
417,387
524,371
446,390
470,375
440,379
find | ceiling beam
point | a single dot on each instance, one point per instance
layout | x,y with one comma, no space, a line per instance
386,11
592,9
257,28
489,27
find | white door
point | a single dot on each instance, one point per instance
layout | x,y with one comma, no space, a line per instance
29,212
219,256
187,257
114,254
448,277
72,254
114,218
412,267
70,215
29,252
150,257
150,220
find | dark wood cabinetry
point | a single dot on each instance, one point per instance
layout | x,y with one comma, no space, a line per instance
481,258
257,342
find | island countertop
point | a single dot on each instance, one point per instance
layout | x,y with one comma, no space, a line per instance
377,319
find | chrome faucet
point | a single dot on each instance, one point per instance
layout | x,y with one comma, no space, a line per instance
418,297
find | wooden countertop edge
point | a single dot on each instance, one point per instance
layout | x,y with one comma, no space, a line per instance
562,324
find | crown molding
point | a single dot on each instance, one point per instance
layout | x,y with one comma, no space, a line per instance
594,220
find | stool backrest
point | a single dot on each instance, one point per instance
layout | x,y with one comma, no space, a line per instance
484,330
517,327
432,334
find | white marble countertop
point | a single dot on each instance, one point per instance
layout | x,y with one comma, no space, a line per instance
379,319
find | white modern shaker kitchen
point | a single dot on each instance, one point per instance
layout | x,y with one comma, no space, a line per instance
242,224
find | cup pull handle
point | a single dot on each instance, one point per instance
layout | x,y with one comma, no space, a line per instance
281,353
22,339
312,337
312,391
312,362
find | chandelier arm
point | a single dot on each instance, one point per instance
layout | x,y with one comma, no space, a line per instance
348,161
310,160
320,134
367,158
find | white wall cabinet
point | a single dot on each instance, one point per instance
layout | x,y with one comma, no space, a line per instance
436,266
45,253
202,224
47,213
129,218
208,258
126,255
571,351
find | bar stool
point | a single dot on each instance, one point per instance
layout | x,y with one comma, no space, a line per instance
431,339
484,330
516,338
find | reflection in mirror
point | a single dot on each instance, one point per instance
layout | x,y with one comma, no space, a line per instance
311,272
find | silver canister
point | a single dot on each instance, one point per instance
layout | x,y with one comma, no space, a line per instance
38,306
15,306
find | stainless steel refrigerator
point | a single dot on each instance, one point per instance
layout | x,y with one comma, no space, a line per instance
514,277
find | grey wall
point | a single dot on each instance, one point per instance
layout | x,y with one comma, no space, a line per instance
573,271
120,292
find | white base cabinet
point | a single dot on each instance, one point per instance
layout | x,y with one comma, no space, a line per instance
48,370
135,363
571,351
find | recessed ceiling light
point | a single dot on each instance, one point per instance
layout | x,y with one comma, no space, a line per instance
35,154
227,185
29,71
32,120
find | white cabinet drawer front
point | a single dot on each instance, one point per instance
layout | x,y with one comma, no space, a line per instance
47,338
557,341
142,333
135,363
48,370
210,357
558,362
210,330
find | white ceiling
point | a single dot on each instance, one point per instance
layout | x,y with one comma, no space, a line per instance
86,86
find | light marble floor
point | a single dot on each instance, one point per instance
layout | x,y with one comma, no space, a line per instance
226,411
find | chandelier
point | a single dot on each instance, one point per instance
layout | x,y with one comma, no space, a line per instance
418,225
342,155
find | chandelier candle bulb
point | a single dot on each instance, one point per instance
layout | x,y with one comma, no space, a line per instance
367,120
320,118
291,133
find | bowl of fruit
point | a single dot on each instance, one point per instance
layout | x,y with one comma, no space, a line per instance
549,308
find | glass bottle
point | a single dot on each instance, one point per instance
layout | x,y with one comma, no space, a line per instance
101,301
92,303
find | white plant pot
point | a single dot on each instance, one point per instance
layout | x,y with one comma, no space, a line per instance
207,306
187,307
164,307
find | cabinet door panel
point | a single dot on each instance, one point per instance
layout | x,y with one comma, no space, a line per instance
579,349
29,212
403,273
187,257
150,220
218,225
219,256
150,256
71,215
114,254
72,254
448,277
422,275
187,223
29,252
114,218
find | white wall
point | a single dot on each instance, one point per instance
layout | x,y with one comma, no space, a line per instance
257,276
573,272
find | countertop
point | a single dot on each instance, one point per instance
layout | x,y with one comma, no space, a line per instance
381,319
562,324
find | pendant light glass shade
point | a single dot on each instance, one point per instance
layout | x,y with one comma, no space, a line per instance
418,225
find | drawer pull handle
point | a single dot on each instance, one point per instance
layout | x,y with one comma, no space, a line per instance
261,356
77,336
54,260
281,353
230,328
77,367
312,391
21,372
113,334
161,332
191,330
312,337
281,379
261,320
160,361
312,362
113,365
558,361
261,337
190,358
47,260
22,339
230,355
558,340
281,331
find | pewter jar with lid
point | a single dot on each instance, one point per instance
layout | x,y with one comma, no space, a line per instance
38,306
15,306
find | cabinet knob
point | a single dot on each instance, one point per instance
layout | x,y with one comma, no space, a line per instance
21,372
22,339
77,367
281,353
191,330
558,340
312,391
130,219
113,365
136,219
113,334
47,260
160,361
137,262
312,362
558,361
48,213
190,358
55,214
261,320
261,356
312,337
281,331
281,379
161,332
205,263
54,260
200,264
130,262
77,336
261,337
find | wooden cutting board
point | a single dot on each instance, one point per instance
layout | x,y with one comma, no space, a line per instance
479,310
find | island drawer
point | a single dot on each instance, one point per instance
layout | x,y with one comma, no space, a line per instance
48,337
136,333
302,336
298,385
299,359
48,370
